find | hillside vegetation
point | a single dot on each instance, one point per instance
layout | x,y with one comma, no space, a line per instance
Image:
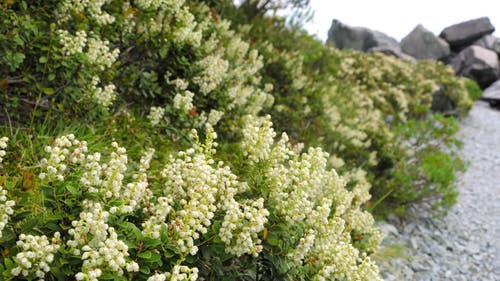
191,140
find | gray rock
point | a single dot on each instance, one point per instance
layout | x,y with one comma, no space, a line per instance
388,229
492,94
347,37
464,33
473,248
489,42
423,44
363,39
477,63
393,50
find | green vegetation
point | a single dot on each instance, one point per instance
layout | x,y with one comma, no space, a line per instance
177,140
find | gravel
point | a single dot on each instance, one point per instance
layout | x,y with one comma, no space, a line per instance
465,244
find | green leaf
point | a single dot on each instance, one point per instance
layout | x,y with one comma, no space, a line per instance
111,276
51,77
151,243
168,253
273,240
48,91
131,229
150,257
43,60
29,225
145,269
145,255
72,190
164,233
9,264
58,273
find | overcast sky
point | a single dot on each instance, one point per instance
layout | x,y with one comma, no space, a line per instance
398,17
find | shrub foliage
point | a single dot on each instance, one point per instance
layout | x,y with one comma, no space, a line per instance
185,140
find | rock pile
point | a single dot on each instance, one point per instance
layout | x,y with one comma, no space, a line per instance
468,47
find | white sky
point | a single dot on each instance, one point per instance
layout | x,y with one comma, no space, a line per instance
397,18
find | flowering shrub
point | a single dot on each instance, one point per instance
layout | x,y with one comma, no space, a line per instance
109,219
112,78
354,111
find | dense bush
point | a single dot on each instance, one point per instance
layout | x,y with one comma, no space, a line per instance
152,140
354,106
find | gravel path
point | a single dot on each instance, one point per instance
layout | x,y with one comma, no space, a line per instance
464,245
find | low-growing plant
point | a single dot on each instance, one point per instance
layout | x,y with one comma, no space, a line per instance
112,171
338,100
88,211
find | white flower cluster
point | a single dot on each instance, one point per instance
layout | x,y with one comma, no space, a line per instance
98,244
179,273
184,102
214,117
60,155
106,179
6,209
92,171
192,181
169,5
303,248
237,49
200,187
241,226
185,30
158,215
213,71
72,45
3,146
298,184
258,137
304,192
114,172
36,253
99,54
137,191
91,229
102,96
93,7
156,114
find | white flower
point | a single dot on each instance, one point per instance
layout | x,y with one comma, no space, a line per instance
213,71
184,102
214,116
99,54
102,96
258,137
60,155
35,255
6,209
3,146
72,44
156,114
241,226
94,8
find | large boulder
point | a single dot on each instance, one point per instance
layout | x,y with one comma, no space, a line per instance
363,39
492,94
357,38
477,63
489,42
422,44
463,34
